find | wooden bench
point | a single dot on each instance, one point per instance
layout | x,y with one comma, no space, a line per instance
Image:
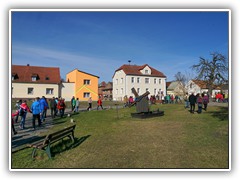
52,138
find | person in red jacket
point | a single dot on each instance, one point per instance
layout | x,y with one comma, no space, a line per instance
61,106
99,102
23,113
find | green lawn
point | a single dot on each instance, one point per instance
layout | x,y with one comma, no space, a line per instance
107,140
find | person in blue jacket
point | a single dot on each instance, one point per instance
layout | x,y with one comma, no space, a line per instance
44,107
36,111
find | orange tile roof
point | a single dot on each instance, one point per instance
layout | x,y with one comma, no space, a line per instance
48,75
135,70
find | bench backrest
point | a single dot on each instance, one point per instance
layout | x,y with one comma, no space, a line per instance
55,136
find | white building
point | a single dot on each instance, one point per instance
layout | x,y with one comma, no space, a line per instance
142,78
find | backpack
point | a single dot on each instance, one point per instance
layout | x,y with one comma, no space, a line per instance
21,112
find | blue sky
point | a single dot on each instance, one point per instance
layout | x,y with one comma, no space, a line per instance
100,42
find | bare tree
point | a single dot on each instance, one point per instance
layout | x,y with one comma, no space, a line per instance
213,71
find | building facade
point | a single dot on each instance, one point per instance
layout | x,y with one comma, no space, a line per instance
86,85
105,90
142,78
29,82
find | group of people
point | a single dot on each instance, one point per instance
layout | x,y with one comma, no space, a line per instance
201,100
38,109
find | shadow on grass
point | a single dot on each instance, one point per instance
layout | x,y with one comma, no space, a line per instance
222,114
66,145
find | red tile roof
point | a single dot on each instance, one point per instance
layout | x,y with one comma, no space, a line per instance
48,75
135,70
202,84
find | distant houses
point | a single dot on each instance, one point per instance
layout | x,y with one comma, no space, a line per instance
143,78
175,88
29,82
105,90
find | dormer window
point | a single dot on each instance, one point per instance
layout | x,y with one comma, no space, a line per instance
47,78
146,71
14,76
35,77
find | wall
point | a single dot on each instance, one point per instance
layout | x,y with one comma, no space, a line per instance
78,78
120,89
67,90
20,90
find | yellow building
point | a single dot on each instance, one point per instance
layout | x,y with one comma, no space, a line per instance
86,85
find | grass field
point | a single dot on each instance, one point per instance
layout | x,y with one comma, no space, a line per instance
105,139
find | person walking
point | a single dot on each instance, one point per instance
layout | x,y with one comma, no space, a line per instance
17,109
23,113
192,101
44,107
99,102
72,103
53,106
89,104
77,105
199,103
205,101
36,110
61,107
186,97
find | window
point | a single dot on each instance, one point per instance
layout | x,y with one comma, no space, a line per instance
86,95
86,81
146,71
116,91
138,80
138,90
49,91
132,80
155,91
121,91
30,91
160,81
34,78
146,89
155,80
146,80
121,80
47,78
116,81
13,77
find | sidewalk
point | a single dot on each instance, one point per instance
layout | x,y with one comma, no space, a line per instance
28,135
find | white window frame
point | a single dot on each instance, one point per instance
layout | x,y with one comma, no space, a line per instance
86,94
86,81
138,80
132,79
49,91
34,78
147,81
160,81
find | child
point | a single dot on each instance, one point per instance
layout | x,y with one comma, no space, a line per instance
13,115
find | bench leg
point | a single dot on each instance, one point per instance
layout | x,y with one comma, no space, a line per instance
34,152
48,151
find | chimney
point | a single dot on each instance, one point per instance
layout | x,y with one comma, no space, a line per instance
27,64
